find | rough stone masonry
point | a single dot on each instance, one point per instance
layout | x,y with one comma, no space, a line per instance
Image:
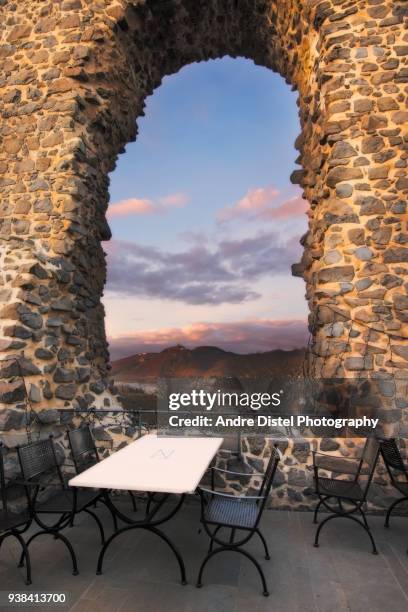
74,77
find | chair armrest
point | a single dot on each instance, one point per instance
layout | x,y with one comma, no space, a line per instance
37,483
38,486
333,463
229,495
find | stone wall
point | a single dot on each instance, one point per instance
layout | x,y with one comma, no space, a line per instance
74,77
293,487
356,255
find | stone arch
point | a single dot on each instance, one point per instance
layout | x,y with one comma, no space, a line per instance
75,78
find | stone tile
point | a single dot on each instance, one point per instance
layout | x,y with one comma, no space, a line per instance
84,605
151,597
287,574
365,581
142,574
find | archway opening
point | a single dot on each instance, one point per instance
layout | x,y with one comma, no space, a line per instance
206,225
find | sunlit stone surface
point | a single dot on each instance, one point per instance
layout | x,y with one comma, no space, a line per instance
74,77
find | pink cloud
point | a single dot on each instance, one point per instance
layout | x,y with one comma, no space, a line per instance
145,206
175,199
264,203
294,207
254,200
249,336
133,206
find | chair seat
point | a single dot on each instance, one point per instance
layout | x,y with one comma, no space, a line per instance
12,520
232,512
345,489
63,500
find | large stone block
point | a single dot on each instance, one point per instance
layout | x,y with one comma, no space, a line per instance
12,392
10,418
336,273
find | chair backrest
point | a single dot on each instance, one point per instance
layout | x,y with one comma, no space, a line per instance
269,474
392,457
369,460
38,458
12,491
2,481
83,450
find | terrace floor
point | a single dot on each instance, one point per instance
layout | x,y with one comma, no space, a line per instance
140,573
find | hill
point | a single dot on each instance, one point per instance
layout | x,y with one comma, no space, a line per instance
206,361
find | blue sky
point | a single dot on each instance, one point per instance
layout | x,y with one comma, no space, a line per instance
205,222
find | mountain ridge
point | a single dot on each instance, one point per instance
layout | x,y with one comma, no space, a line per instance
207,361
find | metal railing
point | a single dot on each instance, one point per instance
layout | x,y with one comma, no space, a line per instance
143,420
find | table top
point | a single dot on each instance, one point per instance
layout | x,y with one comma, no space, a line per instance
154,464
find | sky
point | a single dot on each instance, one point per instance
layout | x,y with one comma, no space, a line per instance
204,219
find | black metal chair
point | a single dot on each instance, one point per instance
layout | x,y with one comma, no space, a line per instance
42,473
397,470
352,492
13,524
236,513
85,454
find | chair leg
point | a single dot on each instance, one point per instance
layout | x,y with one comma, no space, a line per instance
267,557
216,530
199,583
364,518
317,509
347,516
25,552
391,508
26,556
57,536
98,522
2,538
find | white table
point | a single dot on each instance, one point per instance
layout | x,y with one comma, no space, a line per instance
151,464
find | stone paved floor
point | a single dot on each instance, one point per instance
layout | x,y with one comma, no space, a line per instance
140,573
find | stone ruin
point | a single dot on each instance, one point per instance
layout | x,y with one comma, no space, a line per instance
74,78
